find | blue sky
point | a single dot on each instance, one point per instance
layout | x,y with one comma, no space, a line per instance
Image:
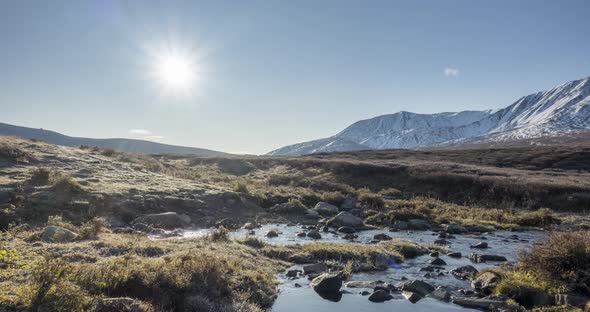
273,73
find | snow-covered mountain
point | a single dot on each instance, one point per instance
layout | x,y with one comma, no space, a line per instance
561,110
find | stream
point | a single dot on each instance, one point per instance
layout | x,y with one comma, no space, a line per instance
300,297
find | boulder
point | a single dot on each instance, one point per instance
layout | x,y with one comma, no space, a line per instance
486,282
293,273
440,293
400,225
380,296
411,296
365,284
484,258
56,234
464,272
166,220
327,283
382,237
326,209
272,233
485,304
480,245
441,242
349,203
314,268
438,261
454,229
434,254
312,214
301,234
346,219
314,234
419,224
416,286
455,254
346,230
250,226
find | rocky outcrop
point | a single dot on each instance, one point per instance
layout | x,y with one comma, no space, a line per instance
485,304
484,258
56,234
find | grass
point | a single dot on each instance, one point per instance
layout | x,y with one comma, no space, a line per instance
358,257
559,265
183,275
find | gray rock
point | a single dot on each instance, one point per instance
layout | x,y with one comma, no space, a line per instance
400,225
484,258
166,220
250,226
365,284
324,208
114,222
438,261
314,234
454,229
480,245
346,230
293,273
301,234
380,296
349,203
464,272
485,304
327,283
434,254
382,237
454,254
441,242
312,214
486,282
314,268
346,219
419,224
272,233
56,234
440,293
420,287
411,296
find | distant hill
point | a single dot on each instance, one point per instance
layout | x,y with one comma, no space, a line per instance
561,111
118,144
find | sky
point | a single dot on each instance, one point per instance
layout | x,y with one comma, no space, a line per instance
265,74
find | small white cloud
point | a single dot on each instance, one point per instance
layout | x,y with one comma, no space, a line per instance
140,132
451,72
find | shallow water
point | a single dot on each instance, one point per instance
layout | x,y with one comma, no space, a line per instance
293,298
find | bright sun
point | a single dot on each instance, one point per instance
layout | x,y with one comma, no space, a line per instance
176,73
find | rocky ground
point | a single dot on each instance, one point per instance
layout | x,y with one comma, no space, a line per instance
90,229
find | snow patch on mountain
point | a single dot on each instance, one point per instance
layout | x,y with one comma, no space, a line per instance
563,109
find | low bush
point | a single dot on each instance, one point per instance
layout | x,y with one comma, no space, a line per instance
92,228
40,176
241,187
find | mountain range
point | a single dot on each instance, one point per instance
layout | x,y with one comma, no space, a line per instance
558,111
118,144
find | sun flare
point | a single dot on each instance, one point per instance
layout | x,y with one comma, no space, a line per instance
175,72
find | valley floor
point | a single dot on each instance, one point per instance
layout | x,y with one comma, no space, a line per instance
91,229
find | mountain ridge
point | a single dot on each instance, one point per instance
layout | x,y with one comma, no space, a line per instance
559,110
118,144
